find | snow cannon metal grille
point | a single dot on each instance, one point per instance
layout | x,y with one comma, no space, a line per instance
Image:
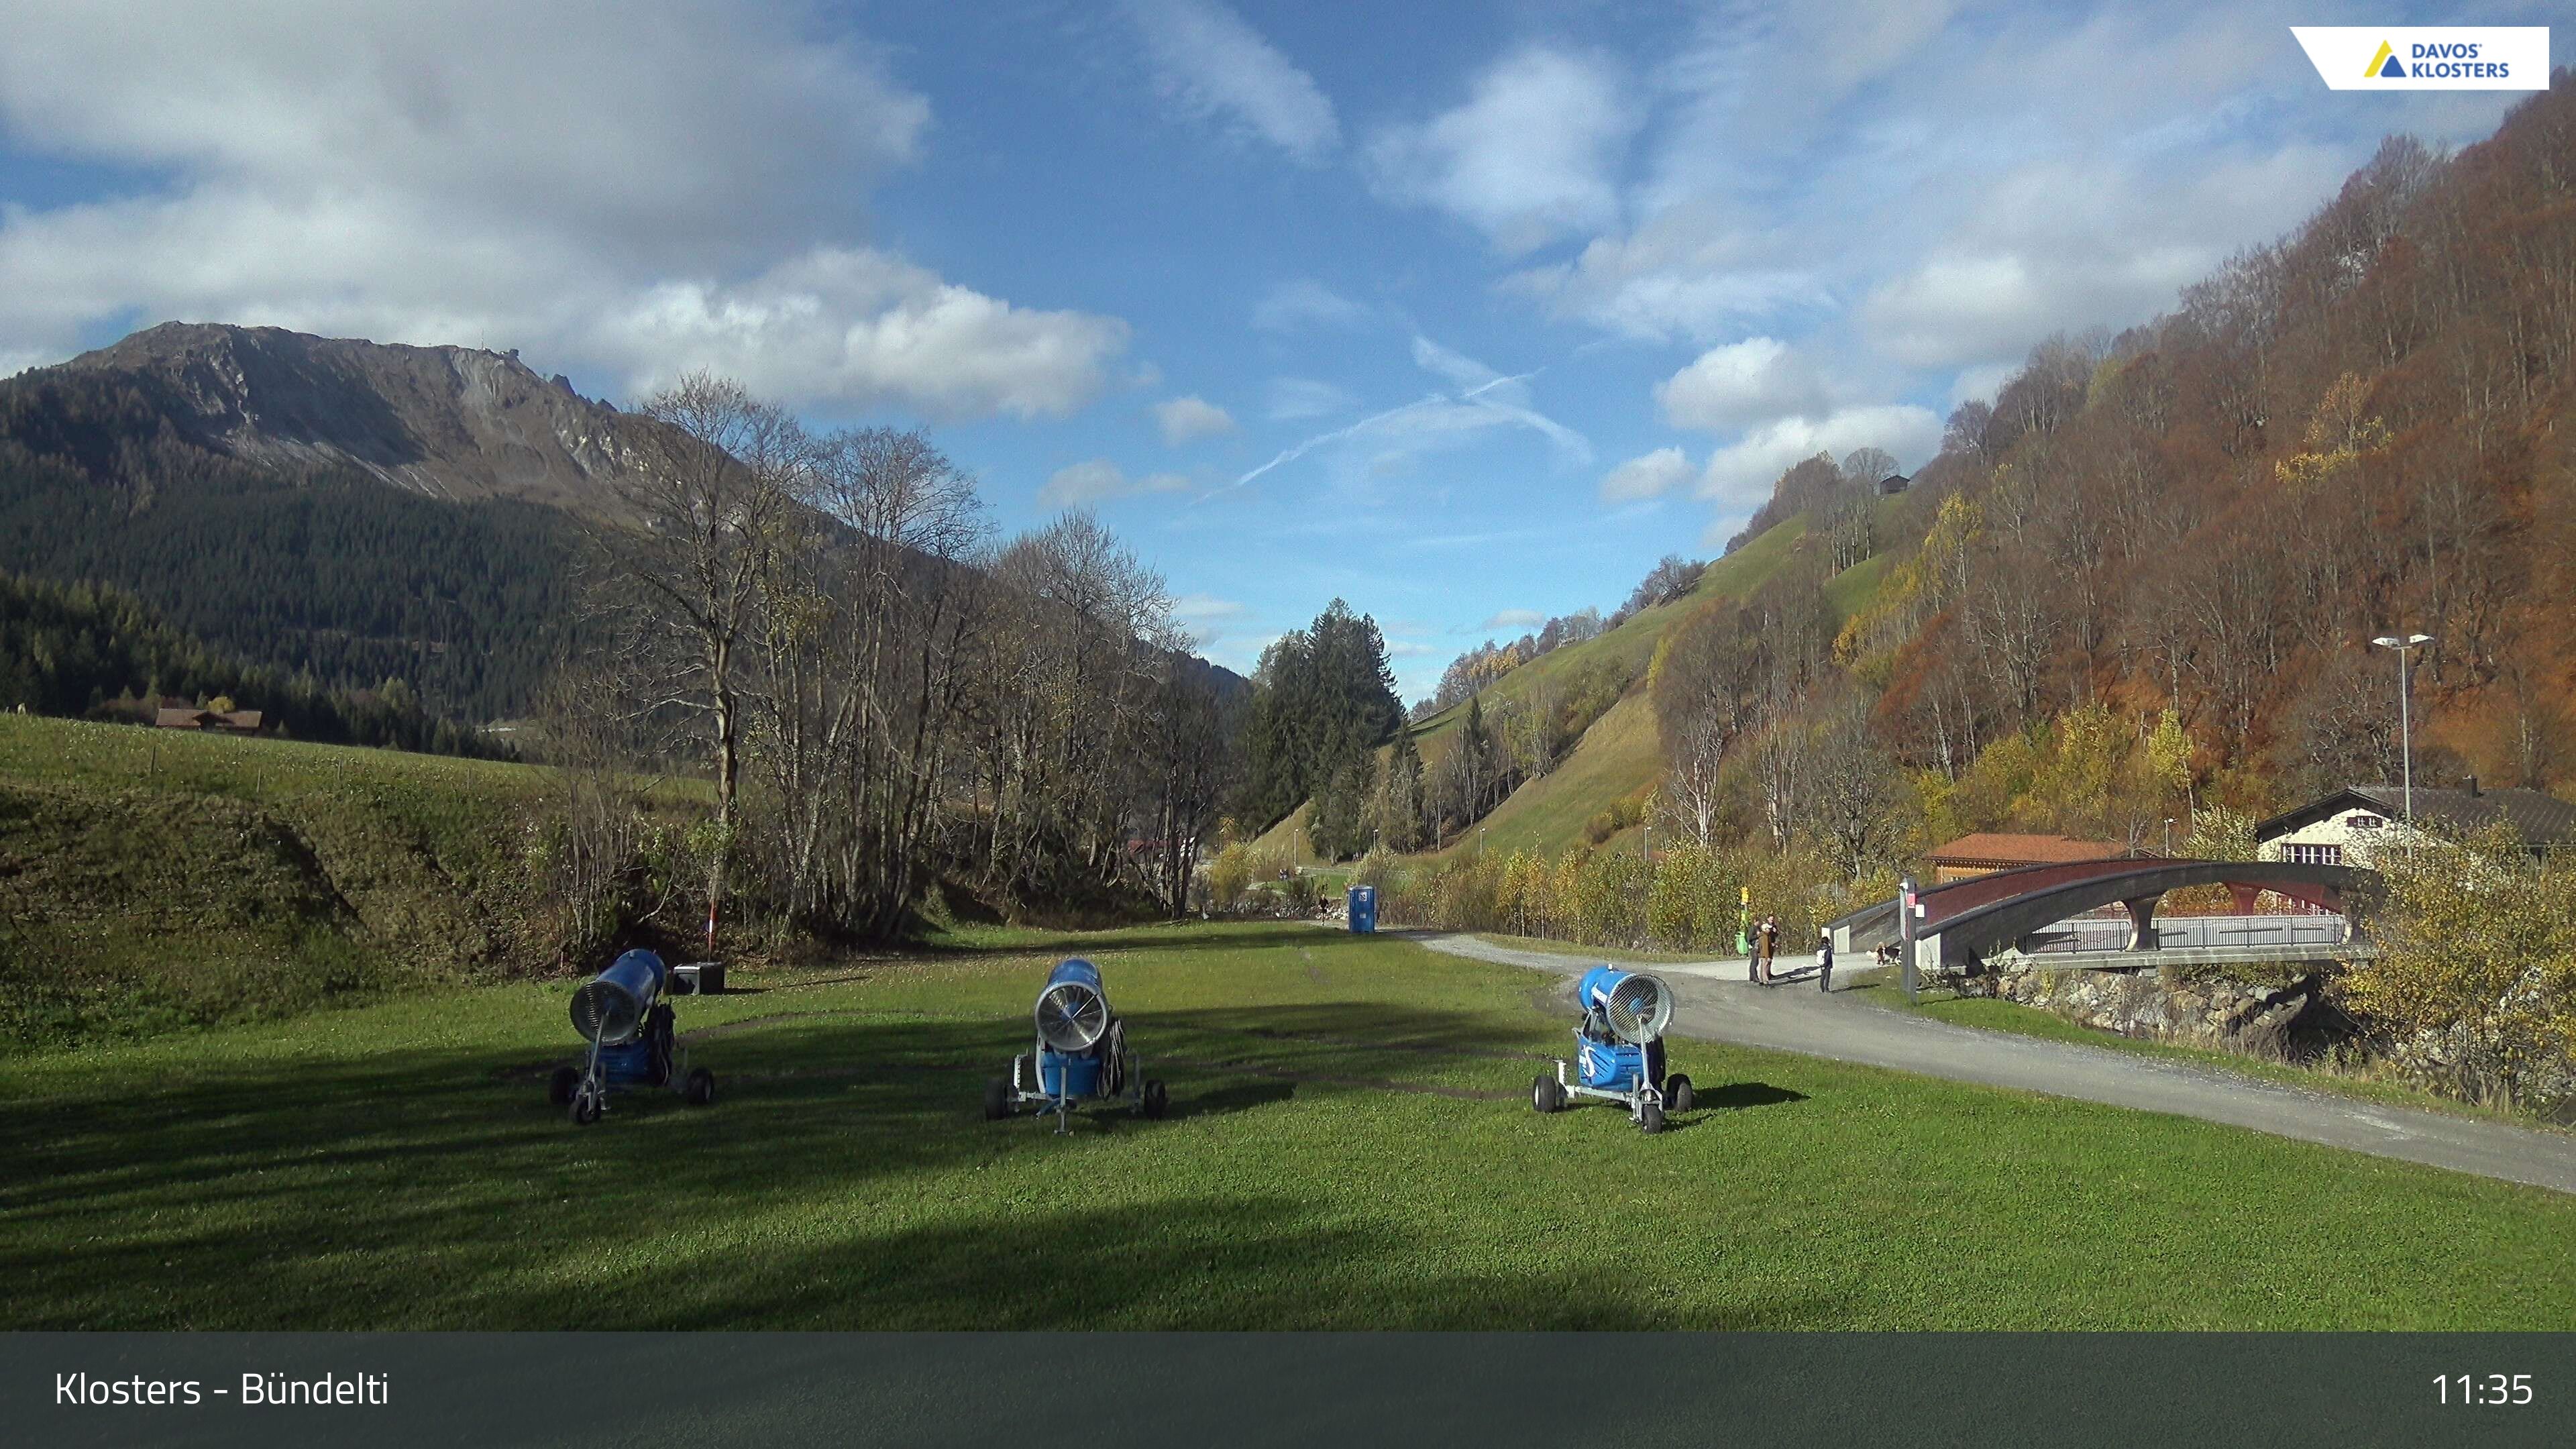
1072,1015
610,1007
1639,1008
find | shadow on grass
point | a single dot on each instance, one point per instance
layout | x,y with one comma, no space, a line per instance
1210,1261
1190,936
1736,1095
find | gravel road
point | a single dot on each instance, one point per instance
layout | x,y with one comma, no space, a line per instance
1716,1003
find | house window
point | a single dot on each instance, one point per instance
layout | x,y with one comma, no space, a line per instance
2313,854
2363,822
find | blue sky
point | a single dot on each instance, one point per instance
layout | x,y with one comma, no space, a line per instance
1463,315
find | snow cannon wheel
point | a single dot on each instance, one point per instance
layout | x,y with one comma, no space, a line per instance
1650,1118
997,1099
560,1087
1157,1099
699,1090
1678,1095
1547,1095
585,1105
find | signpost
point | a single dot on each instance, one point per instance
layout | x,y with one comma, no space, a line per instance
1906,907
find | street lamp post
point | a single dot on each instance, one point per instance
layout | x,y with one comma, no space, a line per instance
2405,720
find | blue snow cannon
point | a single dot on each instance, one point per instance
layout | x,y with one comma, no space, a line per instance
622,1013
1619,1050
1081,1055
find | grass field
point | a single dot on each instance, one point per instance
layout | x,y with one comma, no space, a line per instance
1350,1147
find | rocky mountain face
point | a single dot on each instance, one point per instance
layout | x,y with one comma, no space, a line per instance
451,423
348,510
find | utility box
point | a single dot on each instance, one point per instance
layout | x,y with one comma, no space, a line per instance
699,978
1363,910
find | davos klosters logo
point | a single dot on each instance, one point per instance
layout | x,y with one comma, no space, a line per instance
2428,58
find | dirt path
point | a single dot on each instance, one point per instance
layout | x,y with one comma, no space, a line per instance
1717,1004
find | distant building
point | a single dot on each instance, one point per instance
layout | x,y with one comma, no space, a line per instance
2350,825
231,722
1893,483
1988,851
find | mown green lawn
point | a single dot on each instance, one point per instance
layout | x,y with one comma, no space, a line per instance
1350,1147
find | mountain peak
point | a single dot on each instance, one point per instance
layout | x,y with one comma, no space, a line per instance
447,422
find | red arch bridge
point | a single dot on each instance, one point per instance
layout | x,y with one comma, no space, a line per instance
2053,917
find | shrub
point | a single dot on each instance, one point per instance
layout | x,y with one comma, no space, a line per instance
1229,875
1691,904
2474,984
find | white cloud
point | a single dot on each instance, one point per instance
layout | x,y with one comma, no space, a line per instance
1200,607
1183,419
1531,155
1305,305
1293,398
1207,619
1099,481
1916,188
1213,65
2062,246
1510,619
1691,272
863,327
1740,383
579,192
1739,475
1649,476
1981,382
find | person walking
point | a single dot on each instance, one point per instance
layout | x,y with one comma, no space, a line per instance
1824,958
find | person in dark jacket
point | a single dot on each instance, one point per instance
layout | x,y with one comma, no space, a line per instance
1824,958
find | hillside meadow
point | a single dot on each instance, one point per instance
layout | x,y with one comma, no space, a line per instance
156,879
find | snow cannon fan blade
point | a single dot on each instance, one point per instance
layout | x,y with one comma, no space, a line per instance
1639,1008
610,1007
1071,1016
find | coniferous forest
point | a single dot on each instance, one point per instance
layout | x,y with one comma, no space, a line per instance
320,572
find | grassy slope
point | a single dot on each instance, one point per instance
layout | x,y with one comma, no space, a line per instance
1734,577
1615,758
1594,773
1619,755
156,878
1350,1148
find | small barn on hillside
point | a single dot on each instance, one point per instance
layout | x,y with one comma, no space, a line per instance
231,722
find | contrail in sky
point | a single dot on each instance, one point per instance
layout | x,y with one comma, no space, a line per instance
1555,431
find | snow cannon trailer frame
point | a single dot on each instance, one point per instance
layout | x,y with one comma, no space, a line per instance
624,1014
1081,1056
1619,1051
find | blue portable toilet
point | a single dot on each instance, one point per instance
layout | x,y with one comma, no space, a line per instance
1363,907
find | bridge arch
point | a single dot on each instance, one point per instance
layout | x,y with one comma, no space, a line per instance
1876,925
1970,929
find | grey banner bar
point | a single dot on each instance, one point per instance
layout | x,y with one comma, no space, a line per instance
706,1390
